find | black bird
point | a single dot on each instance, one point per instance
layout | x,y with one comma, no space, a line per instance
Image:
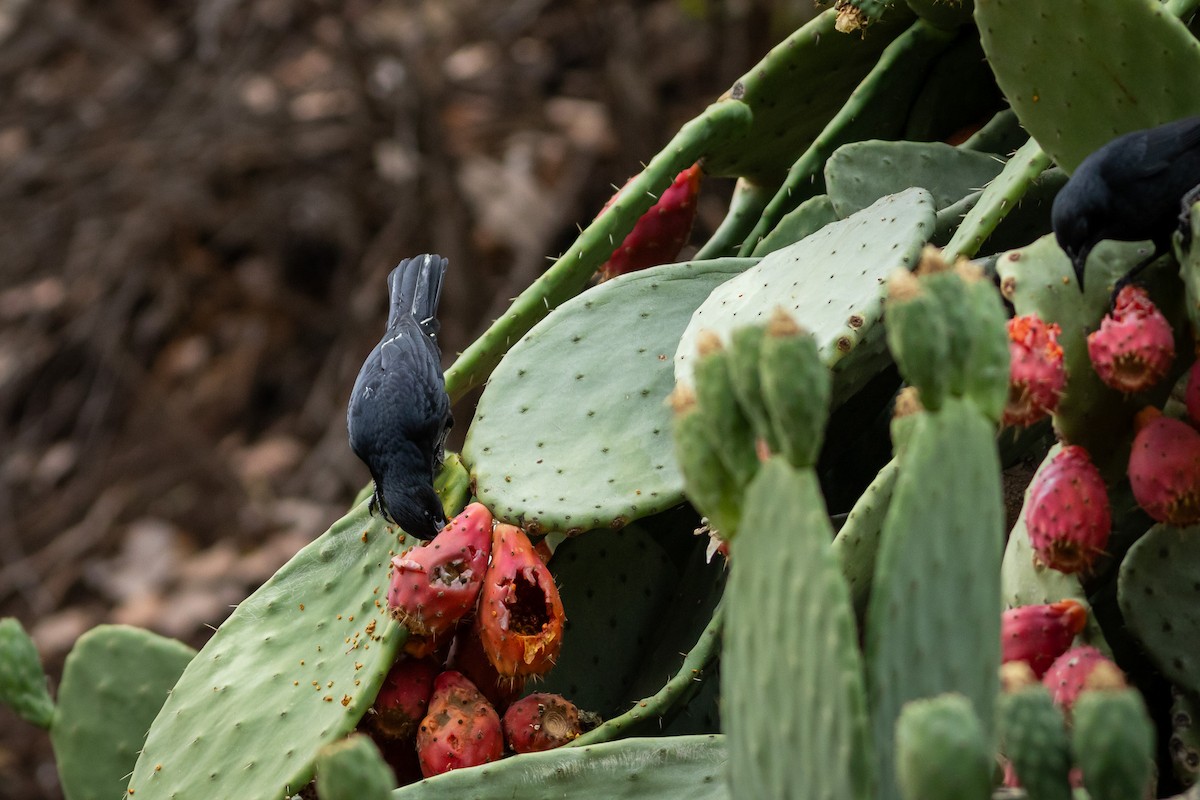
399,412
1128,190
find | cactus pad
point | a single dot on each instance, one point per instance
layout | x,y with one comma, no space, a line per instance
857,543
670,768
291,670
942,752
599,367
115,680
353,769
1159,592
831,282
806,219
22,679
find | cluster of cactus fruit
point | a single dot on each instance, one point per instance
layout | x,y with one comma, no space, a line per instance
876,628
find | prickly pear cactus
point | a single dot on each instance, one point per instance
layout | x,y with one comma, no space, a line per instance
353,769
22,680
600,368
857,543
291,670
942,752
115,680
1033,736
1114,743
806,219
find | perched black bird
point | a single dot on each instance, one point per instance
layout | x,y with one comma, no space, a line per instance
1128,190
399,412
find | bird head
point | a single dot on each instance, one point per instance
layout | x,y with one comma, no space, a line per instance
417,509
1074,226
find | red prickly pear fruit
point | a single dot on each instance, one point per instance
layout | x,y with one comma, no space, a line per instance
1135,346
520,617
1068,516
661,232
540,722
436,585
1036,372
1071,673
467,656
460,730
1039,634
1192,394
1164,468
403,700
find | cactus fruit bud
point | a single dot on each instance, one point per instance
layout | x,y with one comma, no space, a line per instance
435,585
1114,743
1033,738
1039,634
1134,347
796,388
540,722
403,700
1036,372
1068,515
520,617
1164,468
1069,675
941,750
461,729
661,232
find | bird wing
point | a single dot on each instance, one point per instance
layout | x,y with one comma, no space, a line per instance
1157,150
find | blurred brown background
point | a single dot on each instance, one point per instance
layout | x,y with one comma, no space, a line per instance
199,203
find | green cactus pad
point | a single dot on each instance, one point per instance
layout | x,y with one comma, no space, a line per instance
959,91
291,670
807,218
1001,135
1114,743
453,485
942,752
1033,736
1081,72
664,768
795,388
745,206
1159,593
725,421
794,91
933,624
794,704
947,14
831,283
115,680
857,543
860,173
1184,744
615,587
572,432
353,769
22,679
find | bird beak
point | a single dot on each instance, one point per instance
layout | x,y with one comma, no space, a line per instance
1079,263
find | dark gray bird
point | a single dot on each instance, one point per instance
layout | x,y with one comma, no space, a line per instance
399,412
1128,190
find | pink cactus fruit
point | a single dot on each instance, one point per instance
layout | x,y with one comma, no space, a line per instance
467,656
1192,394
540,722
661,232
435,585
1036,372
1072,672
403,700
1039,634
1164,468
1134,347
520,617
460,730
1068,516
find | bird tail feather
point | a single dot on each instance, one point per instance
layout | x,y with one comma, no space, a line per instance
415,286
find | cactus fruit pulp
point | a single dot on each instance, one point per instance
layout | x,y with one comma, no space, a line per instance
661,232
520,617
540,722
435,585
1037,376
1038,634
403,699
1164,469
461,729
1134,347
1068,515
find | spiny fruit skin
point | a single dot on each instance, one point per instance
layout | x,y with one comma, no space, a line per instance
1164,469
1039,634
460,730
520,617
1134,347
1036,372
403,700
1069,675
435,585
467,656
540,722
1069,519
661,232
